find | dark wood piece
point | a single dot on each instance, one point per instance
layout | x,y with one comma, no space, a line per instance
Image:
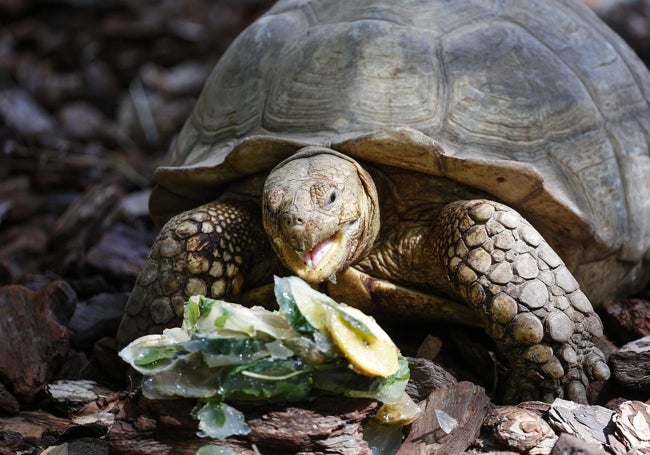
427,376
627,320
450,423
630,365
34,342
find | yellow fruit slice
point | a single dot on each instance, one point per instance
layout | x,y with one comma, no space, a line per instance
364,344
312,304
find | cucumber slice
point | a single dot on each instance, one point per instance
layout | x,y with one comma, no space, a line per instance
312,305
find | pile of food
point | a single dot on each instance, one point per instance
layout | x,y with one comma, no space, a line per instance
311,346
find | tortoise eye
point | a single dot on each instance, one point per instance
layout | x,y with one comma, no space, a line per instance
324,194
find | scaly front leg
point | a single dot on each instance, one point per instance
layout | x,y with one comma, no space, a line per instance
216,250
532,305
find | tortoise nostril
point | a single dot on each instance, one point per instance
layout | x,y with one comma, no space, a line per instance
293,220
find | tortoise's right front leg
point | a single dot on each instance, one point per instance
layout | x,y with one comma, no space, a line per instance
531,303
215,250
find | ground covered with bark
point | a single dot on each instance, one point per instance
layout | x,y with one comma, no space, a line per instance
91,94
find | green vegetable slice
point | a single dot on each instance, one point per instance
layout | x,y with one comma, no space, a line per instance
304,308
218,420
273,380
230,319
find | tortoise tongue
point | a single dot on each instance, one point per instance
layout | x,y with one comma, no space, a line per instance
313,256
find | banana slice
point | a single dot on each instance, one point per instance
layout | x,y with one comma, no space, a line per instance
364,344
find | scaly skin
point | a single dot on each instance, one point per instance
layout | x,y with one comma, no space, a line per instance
321,215
533,307
215,250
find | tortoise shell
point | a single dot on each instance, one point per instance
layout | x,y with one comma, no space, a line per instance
536,103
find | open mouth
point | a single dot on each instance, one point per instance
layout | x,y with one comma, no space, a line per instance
324,260
313,257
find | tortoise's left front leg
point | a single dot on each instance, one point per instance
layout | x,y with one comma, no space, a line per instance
218,250
532,305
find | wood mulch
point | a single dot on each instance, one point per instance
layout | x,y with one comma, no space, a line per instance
91,94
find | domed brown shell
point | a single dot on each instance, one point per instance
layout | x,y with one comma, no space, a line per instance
537,103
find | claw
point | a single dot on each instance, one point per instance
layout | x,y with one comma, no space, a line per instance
595,366
576,391
601,372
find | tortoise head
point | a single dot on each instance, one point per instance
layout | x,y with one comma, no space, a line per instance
320,211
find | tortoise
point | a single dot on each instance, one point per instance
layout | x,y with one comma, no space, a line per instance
476,162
